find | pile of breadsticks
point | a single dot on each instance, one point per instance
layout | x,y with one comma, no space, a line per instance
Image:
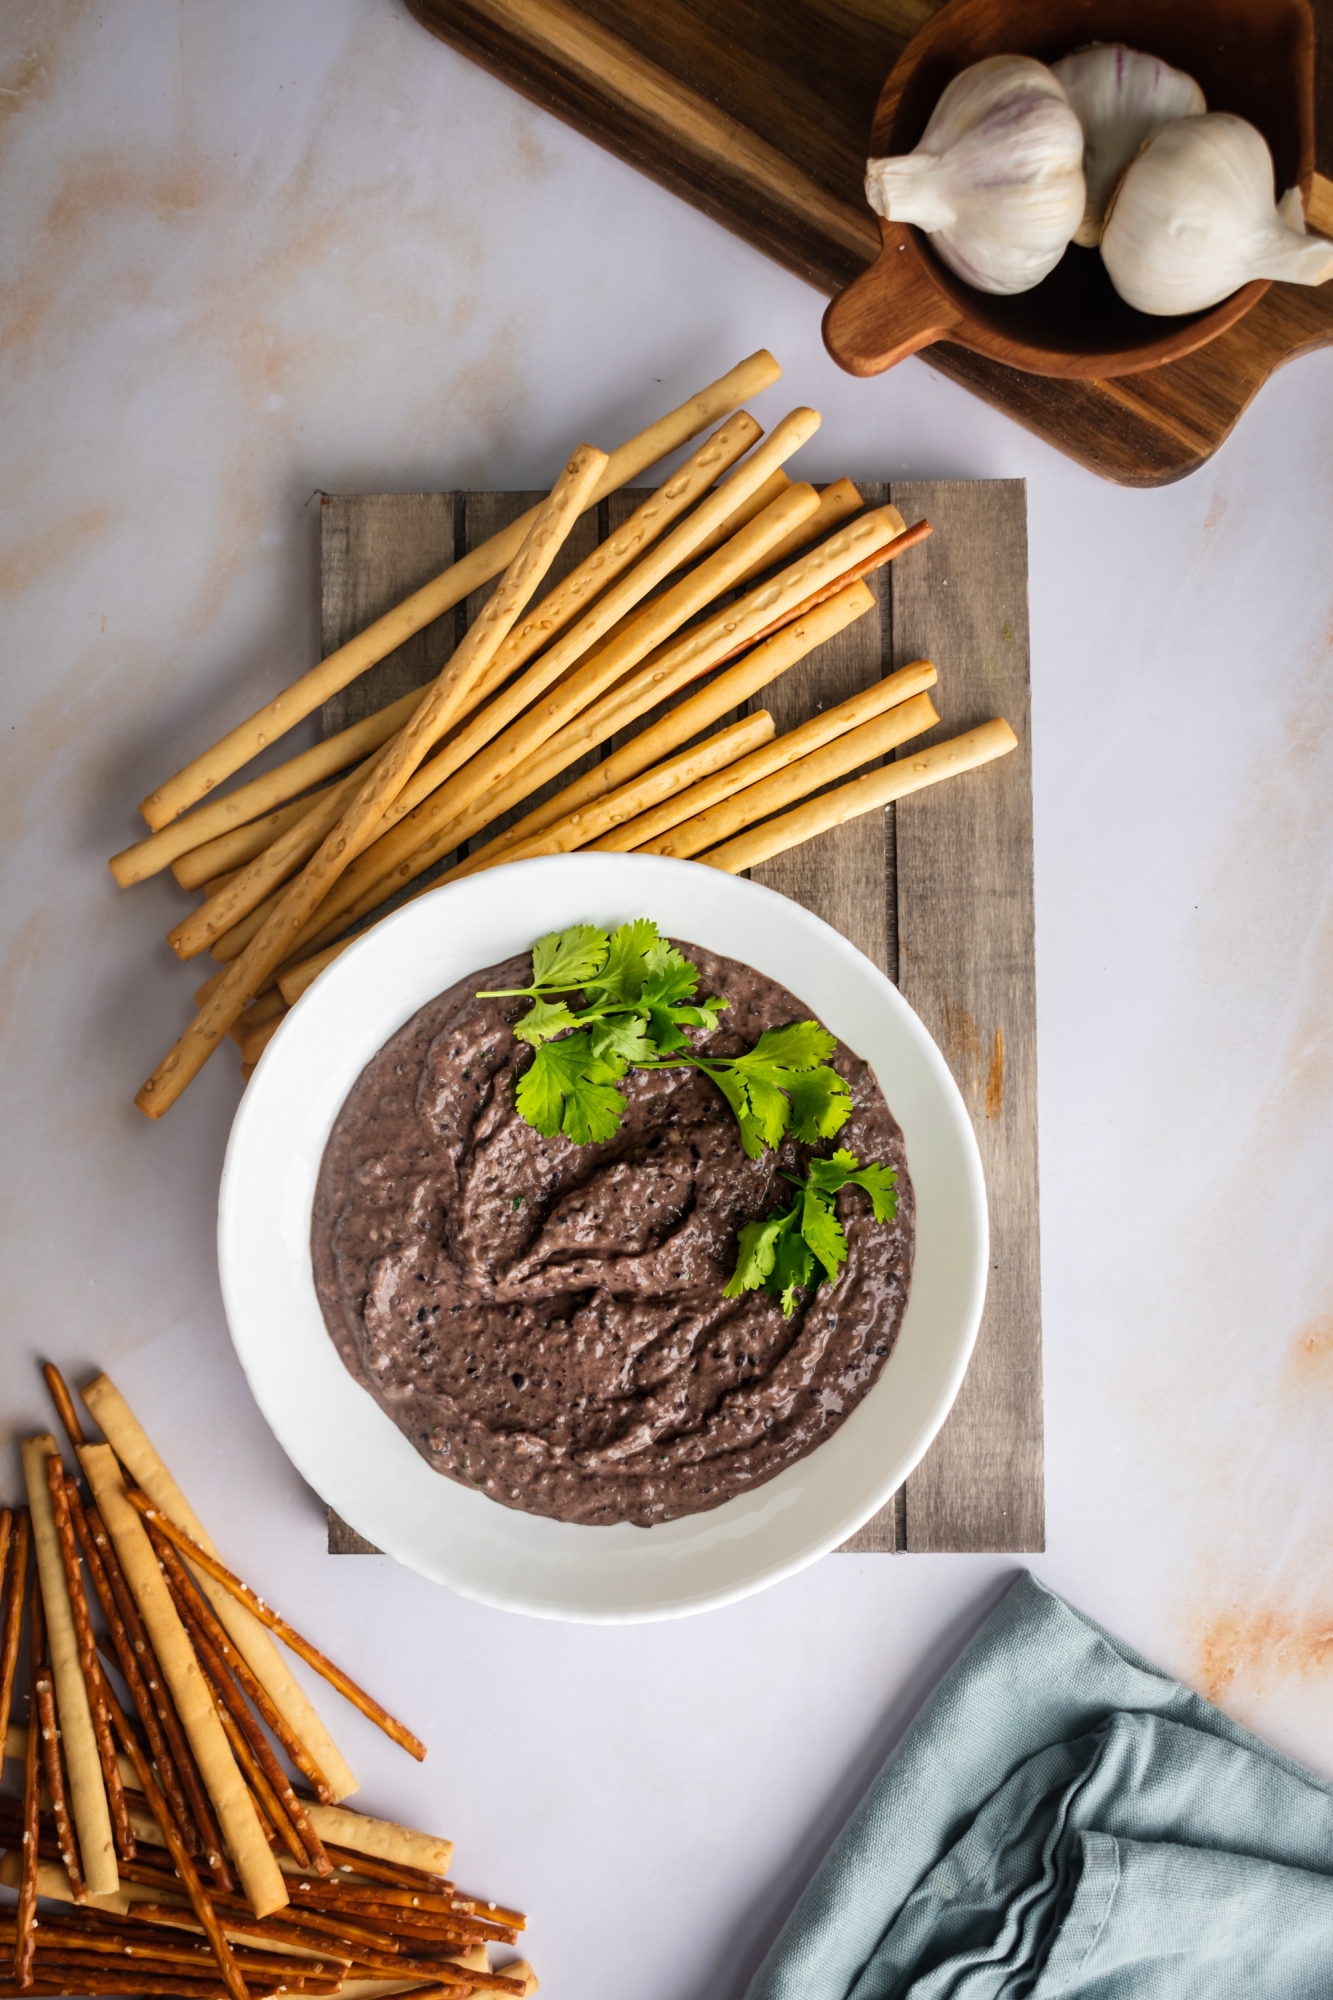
722,579
159,1844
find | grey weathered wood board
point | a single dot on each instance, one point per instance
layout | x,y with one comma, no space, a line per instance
937,891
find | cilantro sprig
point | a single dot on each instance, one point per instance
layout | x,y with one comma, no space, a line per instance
804,1244
639,995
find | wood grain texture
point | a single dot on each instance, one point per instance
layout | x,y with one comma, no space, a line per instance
374,550
937,891
759,114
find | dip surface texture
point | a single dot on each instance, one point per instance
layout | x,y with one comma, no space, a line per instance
546,1321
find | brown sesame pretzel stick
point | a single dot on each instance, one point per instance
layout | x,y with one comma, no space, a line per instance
132,1668
201,1612
191,1784
270,1930
184,1866
88,1660
16,1577
277,1828
304,1843
25,1938
335,1676
53,1764
64,1403
6,1543
398,1875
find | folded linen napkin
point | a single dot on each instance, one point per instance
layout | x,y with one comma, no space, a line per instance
1064,1823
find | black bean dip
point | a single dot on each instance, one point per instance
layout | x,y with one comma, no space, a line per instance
545,1321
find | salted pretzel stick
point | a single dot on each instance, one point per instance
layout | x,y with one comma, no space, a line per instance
88,1661
198,1620
88,1797
277,1829
301,1732
9,1646
895,781
440,706
259,1872
25,1939
181,1861
450,588
829,754
607,564
53,1765
180,1780
201,1559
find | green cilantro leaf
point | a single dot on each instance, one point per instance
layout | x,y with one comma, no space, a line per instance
628,962
544,1019
568,1088
756,1252
622,1039
571,958
800,1045
800,1246
822,1230
820,1104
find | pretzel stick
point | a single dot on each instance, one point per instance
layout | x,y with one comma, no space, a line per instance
9,1648
45,1723
400,758
259,1873
25,1939
197,1619
274,1824
64,1402
197,932
450,588
895,781
201,1559
306,1740
799,778
134,1656
88,1661
88,1797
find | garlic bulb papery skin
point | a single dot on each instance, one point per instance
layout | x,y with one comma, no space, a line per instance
997,181
1121,99
1194,219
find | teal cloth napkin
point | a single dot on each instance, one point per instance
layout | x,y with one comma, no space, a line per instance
1064,1823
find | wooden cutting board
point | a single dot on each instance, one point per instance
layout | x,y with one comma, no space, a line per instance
758,112
937,891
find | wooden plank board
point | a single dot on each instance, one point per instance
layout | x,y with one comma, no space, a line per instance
937,891
758,112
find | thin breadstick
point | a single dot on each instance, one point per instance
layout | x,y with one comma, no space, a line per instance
512,750
435,598
825,748
45,1721
134,1655
253,803
263,1009
323,1763
200,1623
25,1940
257,1040
273,1821
294,982
88,1661
440,706
16,1581
260,1875
837,503
88,1797
201,1559
184,1867
53,1882
202,927
381,1839
213,865
895,781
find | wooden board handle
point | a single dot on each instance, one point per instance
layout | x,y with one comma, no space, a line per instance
893,310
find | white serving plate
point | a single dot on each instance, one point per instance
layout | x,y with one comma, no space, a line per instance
338,1437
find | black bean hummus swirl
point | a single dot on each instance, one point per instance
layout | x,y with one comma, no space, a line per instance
546,1321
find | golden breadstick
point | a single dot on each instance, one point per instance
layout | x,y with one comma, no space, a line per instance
714,812
241,1830
259,1010
293,983
88,1799
136,1452
25,1939
382,1839
895,781
443,702
718,756
257,1040
837,503
435,598
334,1675
88,1661
208,867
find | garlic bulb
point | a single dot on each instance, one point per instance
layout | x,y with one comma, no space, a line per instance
1194,219
997,181
1121,99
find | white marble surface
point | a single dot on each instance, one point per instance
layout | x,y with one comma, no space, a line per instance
252,249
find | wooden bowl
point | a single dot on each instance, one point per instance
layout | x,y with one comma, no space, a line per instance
1252,57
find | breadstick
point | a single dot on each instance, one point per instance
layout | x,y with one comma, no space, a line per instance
211,866
324,1764
512,749
88,1662
382,1839
837,503
440,706
202,927
45,1721
825,748
257,1040
264,1009
25,1938
184,1867
435,598
895,781
306,971
17,1581
201,1559
260,1875
88,1797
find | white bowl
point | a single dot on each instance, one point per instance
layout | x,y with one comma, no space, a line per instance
342,1442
